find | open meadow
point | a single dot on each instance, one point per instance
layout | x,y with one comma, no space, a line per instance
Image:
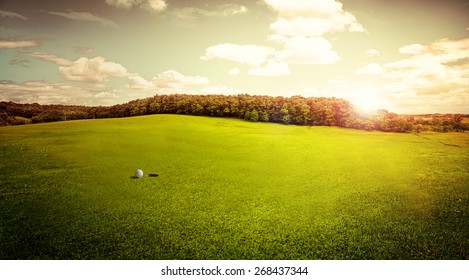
230,189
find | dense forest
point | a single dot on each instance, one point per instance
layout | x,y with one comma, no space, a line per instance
297,110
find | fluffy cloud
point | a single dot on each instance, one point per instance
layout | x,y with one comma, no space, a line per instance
311,18
153,5
298,29
166,82
17,44
248,54
157,5
12,15
448,51
85,17
443,51
138,82
371,53
411,49
192,13
92,70
371,69
84,69
308,50
228,10
273,68
174,79
300,25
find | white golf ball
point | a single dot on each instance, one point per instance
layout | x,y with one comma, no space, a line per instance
138,173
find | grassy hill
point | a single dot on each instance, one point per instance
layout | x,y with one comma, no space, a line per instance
230,189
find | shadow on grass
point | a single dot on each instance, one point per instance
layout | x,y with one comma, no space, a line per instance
148,175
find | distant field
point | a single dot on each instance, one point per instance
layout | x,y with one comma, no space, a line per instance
230,189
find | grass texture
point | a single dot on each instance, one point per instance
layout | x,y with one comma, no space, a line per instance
230,189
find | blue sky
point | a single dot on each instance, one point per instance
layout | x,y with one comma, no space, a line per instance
404,56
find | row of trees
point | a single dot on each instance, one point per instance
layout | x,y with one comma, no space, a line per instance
296,110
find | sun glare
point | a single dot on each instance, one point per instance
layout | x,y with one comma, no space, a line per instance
369,102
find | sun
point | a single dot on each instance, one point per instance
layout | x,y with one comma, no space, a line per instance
368,102
367,105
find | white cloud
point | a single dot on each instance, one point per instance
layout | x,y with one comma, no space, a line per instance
248,54
138,82
174,79
300,25
84,69
446,50
234,71
298,28
416,69
411,49
127,4
371,69
79,16
17,44
49,57
273,68
230,10
152,5
192,13
92,70
372,53
311,18
307,50
12,15
170,79
157,5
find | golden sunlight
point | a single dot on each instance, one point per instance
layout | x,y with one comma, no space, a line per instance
369,100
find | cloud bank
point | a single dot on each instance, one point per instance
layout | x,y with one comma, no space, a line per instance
433,76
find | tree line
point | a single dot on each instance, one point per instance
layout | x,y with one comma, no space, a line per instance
297,110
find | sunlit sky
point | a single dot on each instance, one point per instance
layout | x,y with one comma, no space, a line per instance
406,56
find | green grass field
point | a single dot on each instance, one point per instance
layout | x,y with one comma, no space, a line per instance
230,189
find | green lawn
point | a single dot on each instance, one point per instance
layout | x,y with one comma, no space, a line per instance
230,189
